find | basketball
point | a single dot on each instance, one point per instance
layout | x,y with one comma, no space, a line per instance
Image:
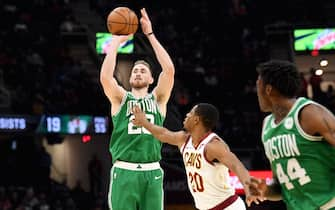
122,21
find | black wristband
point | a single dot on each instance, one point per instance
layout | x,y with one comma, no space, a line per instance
148,34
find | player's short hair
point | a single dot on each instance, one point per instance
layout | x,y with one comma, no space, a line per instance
282,75
143,62
208,114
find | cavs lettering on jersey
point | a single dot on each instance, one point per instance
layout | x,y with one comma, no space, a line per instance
130,143
208,182
303,164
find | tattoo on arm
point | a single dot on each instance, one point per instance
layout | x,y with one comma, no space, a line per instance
331,130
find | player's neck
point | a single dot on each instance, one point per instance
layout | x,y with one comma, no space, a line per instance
139,93
281,108
198,135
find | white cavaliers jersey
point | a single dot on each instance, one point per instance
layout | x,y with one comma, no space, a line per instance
207,181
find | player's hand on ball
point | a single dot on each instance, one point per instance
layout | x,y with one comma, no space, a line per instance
120,38
145,22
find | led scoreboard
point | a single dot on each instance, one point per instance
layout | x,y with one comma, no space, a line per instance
73,124
17,123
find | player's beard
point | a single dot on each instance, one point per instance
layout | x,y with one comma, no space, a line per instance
138,85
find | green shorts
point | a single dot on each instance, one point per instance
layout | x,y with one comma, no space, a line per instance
136,186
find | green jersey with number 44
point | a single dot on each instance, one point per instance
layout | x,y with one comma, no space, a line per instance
303,164
135,144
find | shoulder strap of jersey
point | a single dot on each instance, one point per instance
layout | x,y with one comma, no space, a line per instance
123,101
297,123
209,138
182,148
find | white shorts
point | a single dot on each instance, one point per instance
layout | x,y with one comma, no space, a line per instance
237,205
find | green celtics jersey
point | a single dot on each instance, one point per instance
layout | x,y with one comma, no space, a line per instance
303,164
135,144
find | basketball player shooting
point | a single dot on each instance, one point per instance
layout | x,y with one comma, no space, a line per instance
136,153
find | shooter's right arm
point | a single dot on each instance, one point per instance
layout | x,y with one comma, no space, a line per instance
111,88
